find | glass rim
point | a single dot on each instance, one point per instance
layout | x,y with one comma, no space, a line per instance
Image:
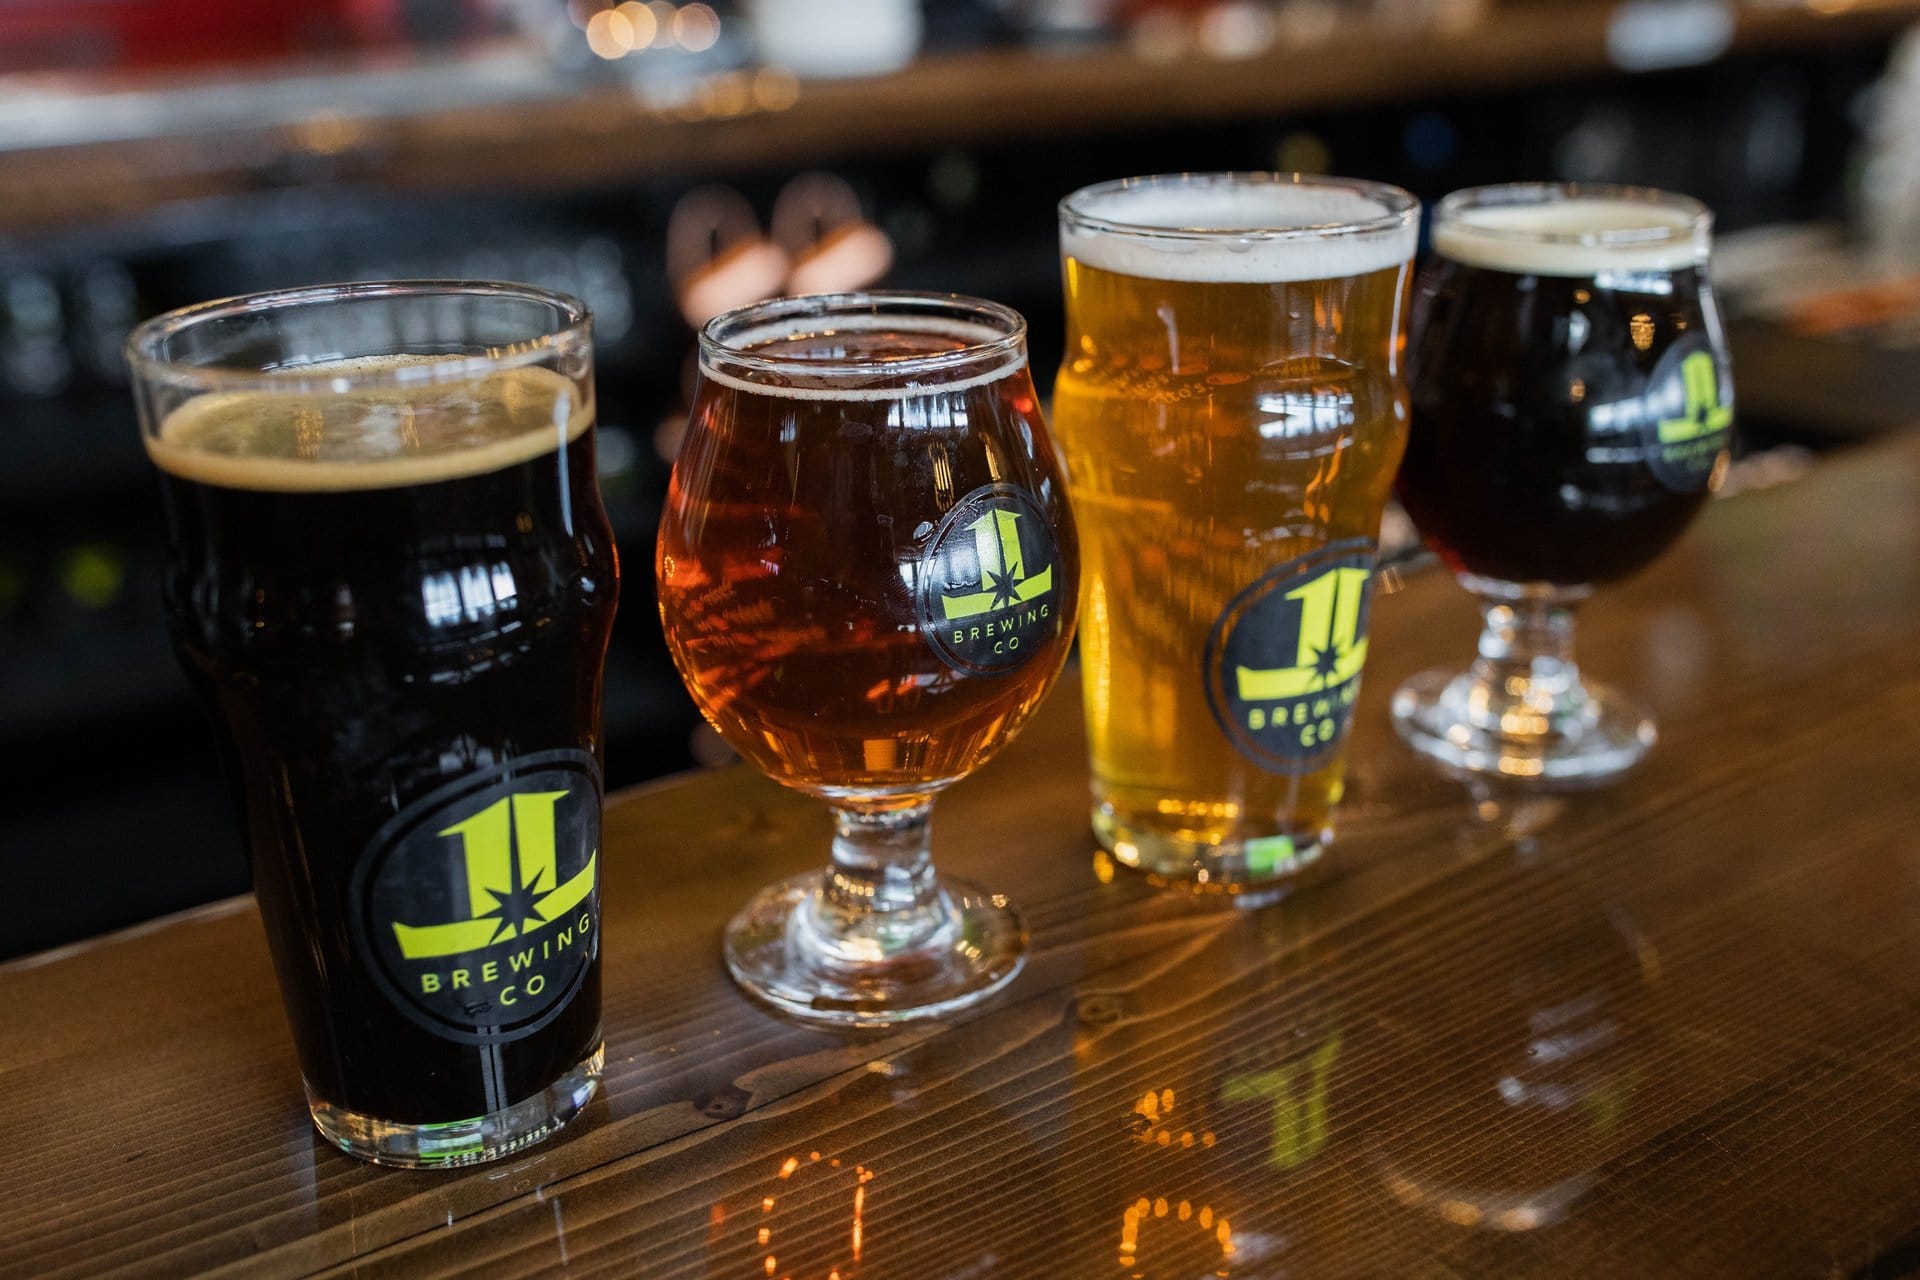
143,342
1401,207
720,337
1698,217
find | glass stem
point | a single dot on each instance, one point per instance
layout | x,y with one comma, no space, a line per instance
1525,685
880,897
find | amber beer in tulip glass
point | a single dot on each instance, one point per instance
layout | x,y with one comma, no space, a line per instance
1231,407
391,581
868,578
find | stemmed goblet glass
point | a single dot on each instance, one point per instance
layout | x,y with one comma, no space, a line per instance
1572,410
868,577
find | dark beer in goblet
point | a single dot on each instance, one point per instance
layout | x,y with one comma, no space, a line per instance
1572,410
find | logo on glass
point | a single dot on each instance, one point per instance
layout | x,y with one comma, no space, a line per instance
1691,422
986,582
478,911
1282,665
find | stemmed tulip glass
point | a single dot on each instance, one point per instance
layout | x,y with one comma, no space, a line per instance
1572,410
868,576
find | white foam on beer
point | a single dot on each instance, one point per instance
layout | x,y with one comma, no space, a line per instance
369,437
1573,236
1239,233
919,372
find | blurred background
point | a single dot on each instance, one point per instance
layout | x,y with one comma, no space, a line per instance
667,160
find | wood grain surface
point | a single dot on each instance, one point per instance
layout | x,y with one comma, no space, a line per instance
1668,1028
733,121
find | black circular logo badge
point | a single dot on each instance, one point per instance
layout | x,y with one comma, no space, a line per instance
1688,424
477,907
987,582
1282,665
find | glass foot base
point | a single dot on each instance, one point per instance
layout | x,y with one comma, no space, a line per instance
1434,714
453,1143
1254,871
776,953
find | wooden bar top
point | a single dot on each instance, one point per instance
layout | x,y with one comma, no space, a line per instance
1668,1028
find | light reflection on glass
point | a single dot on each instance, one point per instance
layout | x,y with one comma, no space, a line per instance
934,412
1618,426
473,592
1658,283
1304,415
442,599
1640,328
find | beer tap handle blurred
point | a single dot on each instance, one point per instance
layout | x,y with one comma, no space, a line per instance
717,256
818,222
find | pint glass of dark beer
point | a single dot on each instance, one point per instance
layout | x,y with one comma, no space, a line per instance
1572,409
868,575
391,581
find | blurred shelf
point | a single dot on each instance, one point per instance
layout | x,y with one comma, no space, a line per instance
1810,309
44,111
501,118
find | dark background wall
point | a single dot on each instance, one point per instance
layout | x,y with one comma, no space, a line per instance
113,808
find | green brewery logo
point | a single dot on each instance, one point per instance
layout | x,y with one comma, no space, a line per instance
986,582
1690,420
478,903
1282,665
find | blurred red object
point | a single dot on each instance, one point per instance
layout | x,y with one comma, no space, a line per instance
92,35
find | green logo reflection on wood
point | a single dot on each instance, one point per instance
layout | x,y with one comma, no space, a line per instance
1331,649
1704,415
1002,569
1296,1095
512,879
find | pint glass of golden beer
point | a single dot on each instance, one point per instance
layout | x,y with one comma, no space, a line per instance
1232,408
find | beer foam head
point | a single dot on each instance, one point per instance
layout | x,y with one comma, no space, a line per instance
1239,229
1554,231
368,437
879,354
